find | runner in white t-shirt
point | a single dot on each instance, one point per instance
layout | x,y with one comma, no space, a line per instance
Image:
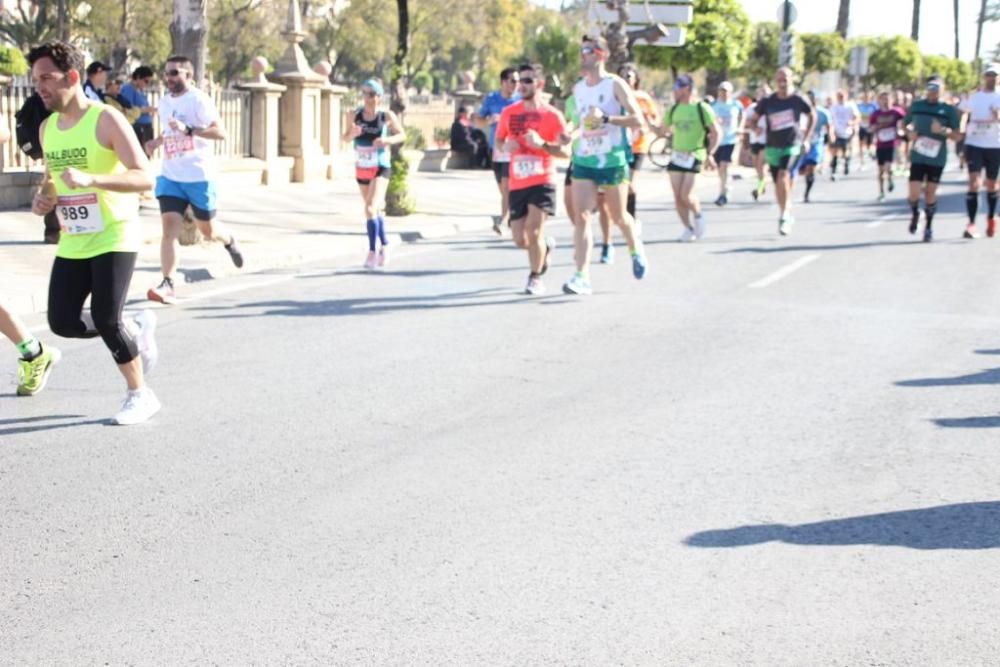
845,121
981,114
189,124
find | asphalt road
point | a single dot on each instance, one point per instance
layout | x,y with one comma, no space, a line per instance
768,452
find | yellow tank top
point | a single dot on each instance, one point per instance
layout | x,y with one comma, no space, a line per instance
93,221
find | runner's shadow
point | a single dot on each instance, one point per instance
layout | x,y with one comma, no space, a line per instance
18,430
969,422
805,248
989,376
378,305
960,526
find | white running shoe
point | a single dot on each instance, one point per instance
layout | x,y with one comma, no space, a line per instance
145,339
699,227
686,236
383,257
371,260
138,406
535,286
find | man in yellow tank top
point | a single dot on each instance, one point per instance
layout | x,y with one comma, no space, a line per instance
96,169
35,362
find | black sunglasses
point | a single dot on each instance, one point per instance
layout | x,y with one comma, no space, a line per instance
173,72
526,79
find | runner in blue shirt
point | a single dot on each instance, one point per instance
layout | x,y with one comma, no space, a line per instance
866,134
135,94
822,134
729,113
489,113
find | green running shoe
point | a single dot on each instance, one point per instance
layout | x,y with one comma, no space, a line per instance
32,375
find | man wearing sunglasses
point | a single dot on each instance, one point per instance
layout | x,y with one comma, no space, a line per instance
606,109
189,123
489,112
532,132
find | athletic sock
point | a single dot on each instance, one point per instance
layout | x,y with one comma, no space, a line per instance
630,204
29,348
810,179
760,184
847,164
972,205
372,233
382,238
991,203
930,210
833,165
915,208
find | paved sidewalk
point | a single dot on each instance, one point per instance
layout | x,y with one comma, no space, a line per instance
284,226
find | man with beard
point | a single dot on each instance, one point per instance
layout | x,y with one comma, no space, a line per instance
189,123
96,168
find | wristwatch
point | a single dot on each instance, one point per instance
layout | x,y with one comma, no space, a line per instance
189,130
605,118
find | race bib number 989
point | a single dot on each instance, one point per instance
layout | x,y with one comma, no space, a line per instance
80,214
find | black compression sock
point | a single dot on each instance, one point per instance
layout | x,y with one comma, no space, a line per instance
847,164
833,165
930,210
991,203
630,204
810,179
972,205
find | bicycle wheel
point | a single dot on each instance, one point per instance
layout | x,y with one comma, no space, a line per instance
659,152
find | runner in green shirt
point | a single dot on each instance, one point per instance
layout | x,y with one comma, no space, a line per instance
930,123
695,135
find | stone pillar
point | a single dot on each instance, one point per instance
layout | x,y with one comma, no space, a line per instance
331,114
300,104
264,130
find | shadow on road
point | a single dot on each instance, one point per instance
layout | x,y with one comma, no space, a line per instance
806,248
969,422
376,305
961,526
36,427
989,376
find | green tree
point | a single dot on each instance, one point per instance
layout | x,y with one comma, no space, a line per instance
242,30
719,38
12,61
958,75
823,51
894,61
557,49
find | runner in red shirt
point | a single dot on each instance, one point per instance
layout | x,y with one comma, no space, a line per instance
885,125
533,132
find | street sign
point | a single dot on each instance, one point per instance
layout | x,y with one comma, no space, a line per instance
786,50
675,37
670,13
793,14
858,64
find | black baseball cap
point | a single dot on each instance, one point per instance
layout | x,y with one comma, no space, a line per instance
97,66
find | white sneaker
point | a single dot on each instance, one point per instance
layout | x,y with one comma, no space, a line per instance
370,260
383,258
535,286
699,227
686,236
137,407
145,339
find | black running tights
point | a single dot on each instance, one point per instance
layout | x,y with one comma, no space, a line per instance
105,279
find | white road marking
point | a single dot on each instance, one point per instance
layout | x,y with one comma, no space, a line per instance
784,271
882,218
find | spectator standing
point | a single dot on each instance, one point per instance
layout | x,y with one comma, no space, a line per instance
134,93
97,77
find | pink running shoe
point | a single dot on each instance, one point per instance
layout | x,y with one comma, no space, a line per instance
383,257
370,260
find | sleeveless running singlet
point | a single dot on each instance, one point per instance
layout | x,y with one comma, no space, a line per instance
93,221
604,147
369,159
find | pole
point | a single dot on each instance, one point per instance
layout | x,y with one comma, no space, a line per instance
787,19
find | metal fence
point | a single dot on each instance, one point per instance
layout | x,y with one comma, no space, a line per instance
234,115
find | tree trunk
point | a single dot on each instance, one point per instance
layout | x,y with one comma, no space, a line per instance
956,28
189,34
617,36
119,54
915,28
843,17
979,31
397,195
